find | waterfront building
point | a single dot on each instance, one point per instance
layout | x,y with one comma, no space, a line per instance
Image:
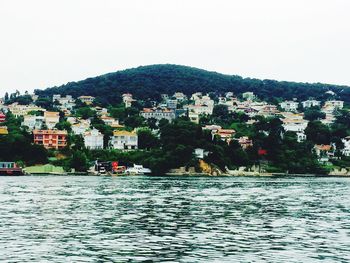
346,149
158,114
93,140
289,105
200,153
124,140
50,139
87,99
311,103
51,119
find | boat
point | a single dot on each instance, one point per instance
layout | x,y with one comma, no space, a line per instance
10,169
137,170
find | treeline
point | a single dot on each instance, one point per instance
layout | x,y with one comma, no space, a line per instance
149,82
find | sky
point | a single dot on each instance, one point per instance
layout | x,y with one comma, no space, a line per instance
44,43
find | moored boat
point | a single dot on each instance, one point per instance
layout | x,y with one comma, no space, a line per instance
138,170
10,169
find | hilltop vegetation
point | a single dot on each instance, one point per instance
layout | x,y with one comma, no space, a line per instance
149,82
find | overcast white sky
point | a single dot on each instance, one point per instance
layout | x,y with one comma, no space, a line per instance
46,42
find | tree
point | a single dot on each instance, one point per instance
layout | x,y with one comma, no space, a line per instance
318,133
79,161
146,139
314,114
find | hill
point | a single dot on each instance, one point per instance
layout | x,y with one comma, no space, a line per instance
149,82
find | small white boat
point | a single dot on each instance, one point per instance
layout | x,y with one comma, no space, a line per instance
138,170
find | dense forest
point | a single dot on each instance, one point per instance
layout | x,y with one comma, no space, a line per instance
149,82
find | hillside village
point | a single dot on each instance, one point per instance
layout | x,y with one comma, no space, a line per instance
81,129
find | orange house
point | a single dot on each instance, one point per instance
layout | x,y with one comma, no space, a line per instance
50,139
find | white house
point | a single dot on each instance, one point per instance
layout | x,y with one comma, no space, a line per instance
346,149
93,140
200,153
336,104
128,100
289,105
124,140
51,118
33,122
158,114
311,103
80,127
200,109
248,95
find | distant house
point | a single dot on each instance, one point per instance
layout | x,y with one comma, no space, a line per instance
311,103
114,123
124,140
200,153
51,119
50,139
346,149
248,96
2,117
33,122
336,104
200,109
128,100
93,139
289,105
245,142
80,127
158,114
324,152
21,110
179,96
225,134
87,99
66,102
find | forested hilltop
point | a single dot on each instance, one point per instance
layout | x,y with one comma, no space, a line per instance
149,82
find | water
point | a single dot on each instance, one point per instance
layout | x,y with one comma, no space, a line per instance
143,219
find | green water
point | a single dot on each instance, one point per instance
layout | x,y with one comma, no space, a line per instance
153,219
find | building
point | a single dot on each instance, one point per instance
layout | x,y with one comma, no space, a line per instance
295,125
51,118
194,117
200,109
80,127
245,142
114,123
65,103
158,114
171,104
346,149
179,96
200,153
33,122
128,100
336,104
3,130
289,105
124,140
87,99
2,117
225,134
311,103
93,140
51,139
21,110
248,96
301,136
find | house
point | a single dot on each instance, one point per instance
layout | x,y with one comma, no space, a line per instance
324,152
245,142
289,105
194,117
301,136
346,149
65,103
248,96
3,130
200,109
128,100
33,122
200,153
50,139
171,104
158,114
51,118
179,96
2,117
224,134
336,104
110,121
21,110
294,125
311,103
87,99
80,127
124,140
93,140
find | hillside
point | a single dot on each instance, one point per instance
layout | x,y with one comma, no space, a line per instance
149,82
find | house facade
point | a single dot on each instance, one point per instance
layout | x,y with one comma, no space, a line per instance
51,139
124,140
93,140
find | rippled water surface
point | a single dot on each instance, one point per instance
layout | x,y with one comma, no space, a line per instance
153,219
